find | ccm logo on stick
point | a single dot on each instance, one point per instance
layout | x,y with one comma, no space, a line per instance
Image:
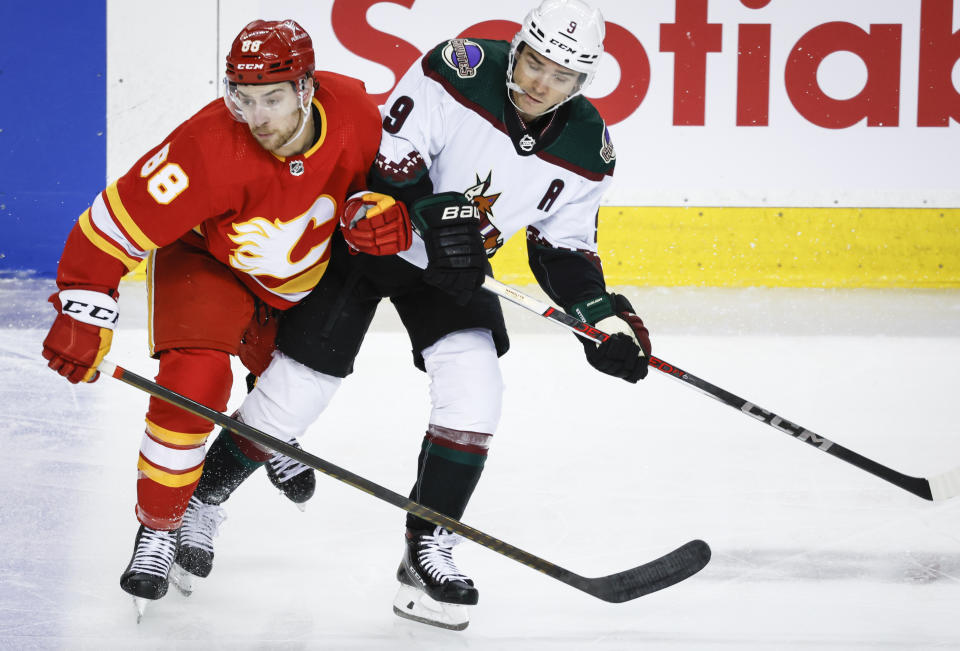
796,431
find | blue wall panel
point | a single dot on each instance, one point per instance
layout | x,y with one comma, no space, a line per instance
53,114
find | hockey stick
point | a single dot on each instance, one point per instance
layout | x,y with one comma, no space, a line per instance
681,563
938,487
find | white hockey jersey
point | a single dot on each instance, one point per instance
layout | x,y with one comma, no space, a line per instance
449,119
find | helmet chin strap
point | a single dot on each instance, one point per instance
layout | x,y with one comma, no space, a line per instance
305,104
514,87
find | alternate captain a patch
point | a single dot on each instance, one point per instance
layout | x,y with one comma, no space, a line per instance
464,56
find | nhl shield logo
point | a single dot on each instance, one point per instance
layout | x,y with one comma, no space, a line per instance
464,56
296,167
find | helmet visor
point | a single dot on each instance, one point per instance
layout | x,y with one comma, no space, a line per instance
255,104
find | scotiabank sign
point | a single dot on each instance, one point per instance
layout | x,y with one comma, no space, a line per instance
691,38
721,102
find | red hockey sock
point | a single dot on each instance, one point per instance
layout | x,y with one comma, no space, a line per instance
171,455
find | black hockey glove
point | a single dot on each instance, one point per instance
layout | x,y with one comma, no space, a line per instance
448,223
627,352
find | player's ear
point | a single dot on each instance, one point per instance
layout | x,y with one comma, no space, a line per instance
305,90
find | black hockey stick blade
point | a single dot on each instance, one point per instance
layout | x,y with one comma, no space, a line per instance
661,573
672,568
938,487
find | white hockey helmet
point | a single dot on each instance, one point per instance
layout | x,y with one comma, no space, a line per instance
568,32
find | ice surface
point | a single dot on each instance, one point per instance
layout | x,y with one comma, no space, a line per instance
587,472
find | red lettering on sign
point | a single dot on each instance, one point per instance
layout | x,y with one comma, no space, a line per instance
878,101
690,38
495,30
938,99
753,76
349,21
634,75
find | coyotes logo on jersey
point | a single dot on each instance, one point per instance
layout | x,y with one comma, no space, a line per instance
492,237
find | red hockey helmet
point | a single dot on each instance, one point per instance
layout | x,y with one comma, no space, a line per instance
270,51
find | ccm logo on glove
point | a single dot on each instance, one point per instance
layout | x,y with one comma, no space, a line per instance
94,308
81,335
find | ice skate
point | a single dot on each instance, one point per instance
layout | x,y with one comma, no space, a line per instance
201,523
146,575
432,590
294,479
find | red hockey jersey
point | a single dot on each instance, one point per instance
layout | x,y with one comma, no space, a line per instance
209,182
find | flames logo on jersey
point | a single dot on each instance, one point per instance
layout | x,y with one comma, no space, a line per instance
492,238
284,249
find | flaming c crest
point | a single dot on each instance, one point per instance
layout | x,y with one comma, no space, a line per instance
283,249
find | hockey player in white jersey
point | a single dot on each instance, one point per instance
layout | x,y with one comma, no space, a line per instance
480,139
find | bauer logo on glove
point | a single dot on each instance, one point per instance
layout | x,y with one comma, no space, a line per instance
461,212
456,259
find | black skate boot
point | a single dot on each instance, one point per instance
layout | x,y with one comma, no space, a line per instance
432,589
294,479
195,557
146,575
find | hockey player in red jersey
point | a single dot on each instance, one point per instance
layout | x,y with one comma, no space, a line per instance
234,212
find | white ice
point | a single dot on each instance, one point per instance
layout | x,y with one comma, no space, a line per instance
588,472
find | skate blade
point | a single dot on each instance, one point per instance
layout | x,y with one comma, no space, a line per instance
300,505
141,605
411,603
181,580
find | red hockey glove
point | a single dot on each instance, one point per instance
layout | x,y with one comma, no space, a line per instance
81,334
627,352
375,223
258,341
